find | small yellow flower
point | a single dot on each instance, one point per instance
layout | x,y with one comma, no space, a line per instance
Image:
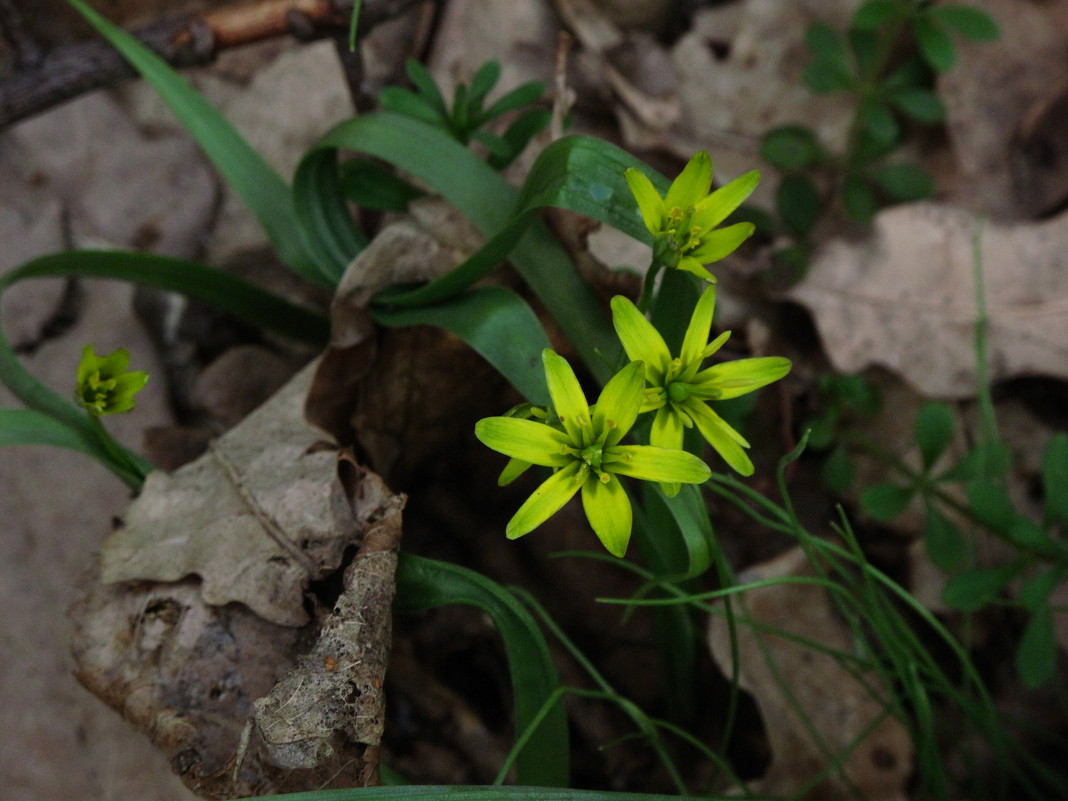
683,222
105,386
678,389
585,453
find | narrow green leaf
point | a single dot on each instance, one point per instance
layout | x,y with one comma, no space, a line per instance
523,95
29,427
1055,479
970,22
482,83
426,584
252,178
935,425
370,185
192,279
427,87
971,590
498,324
404,101
578,173
884,502
1036,654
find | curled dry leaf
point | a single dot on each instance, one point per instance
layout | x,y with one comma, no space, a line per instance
815,711
427,382
905,298
257,518
159,637
333,699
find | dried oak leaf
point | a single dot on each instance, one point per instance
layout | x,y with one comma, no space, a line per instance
256,518
815,711
905,298
190,667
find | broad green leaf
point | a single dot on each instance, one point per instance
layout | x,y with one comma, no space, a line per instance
1055,479
879,122
922,105
935,425
936,47
971,590
970,22
884,502
426,584
823,75
482,83
498,324
253,179
799,204
859,199
874,13
1037,589
943,539
790,147
1036,654
1028,535
838,470
825,42
904,182
866,47
990,503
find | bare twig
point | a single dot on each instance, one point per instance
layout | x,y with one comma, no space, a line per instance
190,40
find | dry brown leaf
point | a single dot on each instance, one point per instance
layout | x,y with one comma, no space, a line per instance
804,694
333,701
256,518
996,97
159,637
905,298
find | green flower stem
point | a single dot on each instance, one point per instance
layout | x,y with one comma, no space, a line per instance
649,283
129,466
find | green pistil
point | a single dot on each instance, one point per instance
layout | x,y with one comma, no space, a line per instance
678,391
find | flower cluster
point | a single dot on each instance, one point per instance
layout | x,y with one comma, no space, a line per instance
683,222
582,443
105,385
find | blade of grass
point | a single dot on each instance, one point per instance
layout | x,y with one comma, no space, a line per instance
497,324
426,583
245,170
